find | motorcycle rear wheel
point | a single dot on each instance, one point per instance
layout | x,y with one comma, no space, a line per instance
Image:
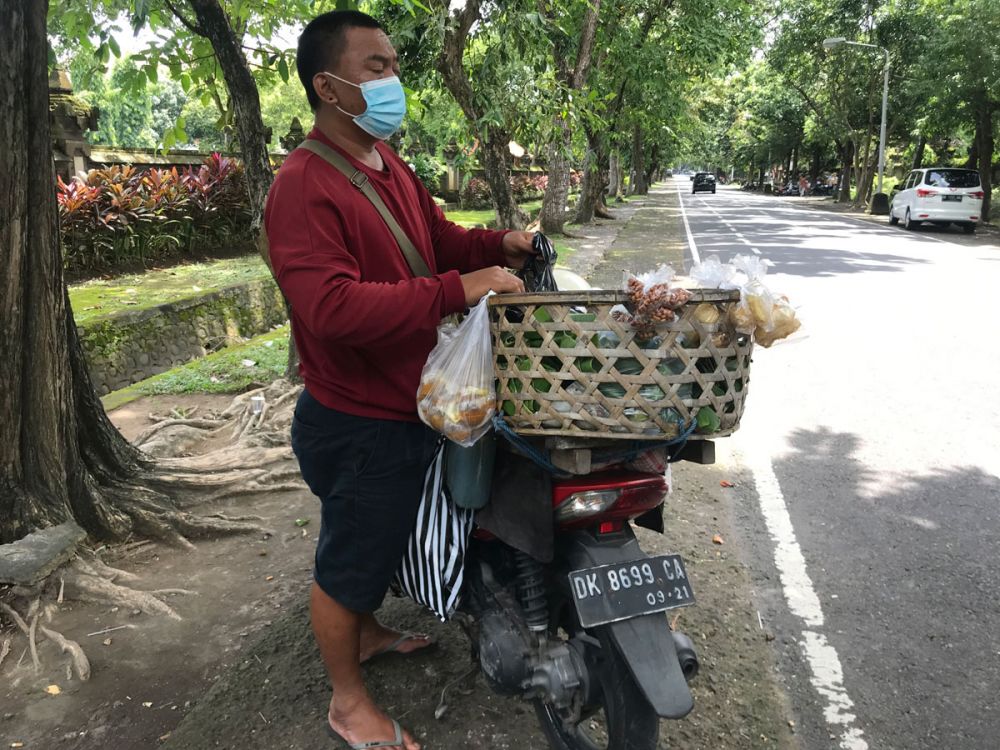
621,718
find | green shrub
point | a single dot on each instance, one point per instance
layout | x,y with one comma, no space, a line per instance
428,169
120,215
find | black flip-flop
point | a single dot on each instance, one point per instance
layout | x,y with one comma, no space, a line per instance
392,647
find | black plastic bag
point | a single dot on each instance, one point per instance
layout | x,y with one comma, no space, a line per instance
537,273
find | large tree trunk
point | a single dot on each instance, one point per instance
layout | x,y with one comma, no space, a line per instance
60,458
595,179
244,97
496,157
616,176
986,146
497,163
847,159
814,166
918,152
553,216
639,184
228,49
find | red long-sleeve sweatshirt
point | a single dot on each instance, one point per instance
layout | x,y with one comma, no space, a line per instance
363,325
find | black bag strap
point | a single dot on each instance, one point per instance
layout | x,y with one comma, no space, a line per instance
360,180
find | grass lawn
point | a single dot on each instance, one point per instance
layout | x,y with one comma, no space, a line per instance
484,217
233,370
93,299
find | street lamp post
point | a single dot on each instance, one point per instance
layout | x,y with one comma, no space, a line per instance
880,204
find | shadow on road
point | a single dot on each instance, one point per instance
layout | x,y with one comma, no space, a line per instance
906,573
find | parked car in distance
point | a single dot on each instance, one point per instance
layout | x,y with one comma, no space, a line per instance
704,182
940,195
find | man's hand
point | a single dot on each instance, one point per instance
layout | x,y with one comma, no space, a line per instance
478,283
517,248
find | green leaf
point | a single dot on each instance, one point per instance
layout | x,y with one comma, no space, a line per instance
185,80
283,69
115,49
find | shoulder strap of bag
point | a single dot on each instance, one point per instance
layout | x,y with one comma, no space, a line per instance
360,180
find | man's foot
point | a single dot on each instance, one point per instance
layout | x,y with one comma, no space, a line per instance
363,722
376,639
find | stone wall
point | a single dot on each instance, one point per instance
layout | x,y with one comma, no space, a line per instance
127,347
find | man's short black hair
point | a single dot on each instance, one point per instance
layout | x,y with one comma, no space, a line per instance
322,43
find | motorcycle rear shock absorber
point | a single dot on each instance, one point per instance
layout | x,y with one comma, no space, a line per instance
531,592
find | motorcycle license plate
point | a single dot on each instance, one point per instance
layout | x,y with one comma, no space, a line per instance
955,198
609,593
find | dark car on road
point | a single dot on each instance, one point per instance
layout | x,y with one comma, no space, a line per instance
704,182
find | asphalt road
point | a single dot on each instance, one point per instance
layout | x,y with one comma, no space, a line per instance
870,454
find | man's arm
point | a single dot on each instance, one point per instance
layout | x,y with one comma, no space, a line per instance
322,280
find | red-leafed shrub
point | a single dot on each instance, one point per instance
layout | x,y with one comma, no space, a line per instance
120,216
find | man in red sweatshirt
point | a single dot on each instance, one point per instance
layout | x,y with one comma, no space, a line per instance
364,326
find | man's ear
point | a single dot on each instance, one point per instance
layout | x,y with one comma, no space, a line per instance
323,87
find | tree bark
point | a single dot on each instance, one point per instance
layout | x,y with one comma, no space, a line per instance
595,178
814,167
641,187
918,152
496,157
244,97
59,454
553,216
986,147
847,160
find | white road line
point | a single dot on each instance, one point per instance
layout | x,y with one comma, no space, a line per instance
826,672
695,258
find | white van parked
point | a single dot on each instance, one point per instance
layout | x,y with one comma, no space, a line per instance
940,195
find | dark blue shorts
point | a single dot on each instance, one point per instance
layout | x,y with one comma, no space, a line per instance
368,474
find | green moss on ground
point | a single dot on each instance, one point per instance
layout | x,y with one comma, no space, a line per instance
224,371
93,299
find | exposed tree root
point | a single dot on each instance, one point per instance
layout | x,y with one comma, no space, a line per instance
83,586
81,664
188,462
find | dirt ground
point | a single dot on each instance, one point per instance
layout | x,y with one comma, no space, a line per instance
240,669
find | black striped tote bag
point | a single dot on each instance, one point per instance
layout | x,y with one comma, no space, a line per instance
433,567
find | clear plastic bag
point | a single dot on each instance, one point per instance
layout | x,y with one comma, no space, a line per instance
711,273
457,396
653,301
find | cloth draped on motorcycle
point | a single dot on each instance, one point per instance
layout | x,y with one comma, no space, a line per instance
433,568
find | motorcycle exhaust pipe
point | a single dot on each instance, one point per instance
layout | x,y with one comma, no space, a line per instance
686,655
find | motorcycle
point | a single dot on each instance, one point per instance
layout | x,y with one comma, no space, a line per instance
584,637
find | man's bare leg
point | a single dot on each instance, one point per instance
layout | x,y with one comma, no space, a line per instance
353,714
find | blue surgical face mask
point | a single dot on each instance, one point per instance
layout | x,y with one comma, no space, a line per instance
385,108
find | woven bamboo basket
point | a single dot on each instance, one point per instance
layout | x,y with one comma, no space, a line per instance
568,368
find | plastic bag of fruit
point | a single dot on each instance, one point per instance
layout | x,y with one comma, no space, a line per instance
457,396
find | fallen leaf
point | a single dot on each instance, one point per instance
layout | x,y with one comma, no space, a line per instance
717,539
268,344
248,363
196,288
269,578
106,641
17,744
301,521
726,483
53,690
147,704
